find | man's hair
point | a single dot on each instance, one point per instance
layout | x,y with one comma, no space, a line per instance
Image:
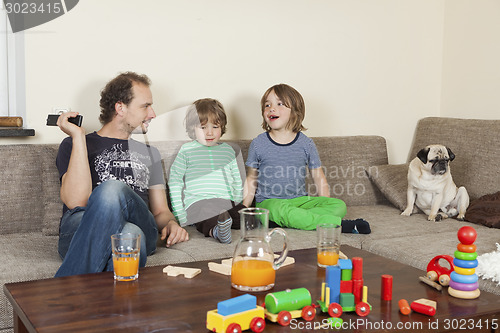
202,111
292,100
117,90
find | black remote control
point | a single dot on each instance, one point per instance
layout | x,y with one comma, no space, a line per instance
52,120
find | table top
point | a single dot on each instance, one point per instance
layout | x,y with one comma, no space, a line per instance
158,303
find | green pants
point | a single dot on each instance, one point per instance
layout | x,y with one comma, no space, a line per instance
304,212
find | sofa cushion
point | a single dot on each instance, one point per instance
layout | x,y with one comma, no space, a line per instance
21,189
475,145
485,210
344,160
392,181
52,204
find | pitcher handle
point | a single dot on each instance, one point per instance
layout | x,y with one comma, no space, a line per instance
281,259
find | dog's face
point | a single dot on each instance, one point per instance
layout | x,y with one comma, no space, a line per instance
436,158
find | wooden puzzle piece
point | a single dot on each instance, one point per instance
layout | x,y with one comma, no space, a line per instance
187,272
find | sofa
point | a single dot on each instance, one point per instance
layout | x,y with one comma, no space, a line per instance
357,170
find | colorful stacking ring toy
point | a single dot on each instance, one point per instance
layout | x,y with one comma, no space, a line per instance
465,263
465,271
463,278
471,248
464,286
465,255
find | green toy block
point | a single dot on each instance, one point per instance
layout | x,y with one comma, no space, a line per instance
347,300
346,275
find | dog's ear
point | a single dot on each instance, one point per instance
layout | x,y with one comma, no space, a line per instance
422,154
450,154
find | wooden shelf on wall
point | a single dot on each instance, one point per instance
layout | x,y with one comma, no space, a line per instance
16,132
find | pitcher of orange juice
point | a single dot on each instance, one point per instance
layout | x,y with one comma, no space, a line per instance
254,265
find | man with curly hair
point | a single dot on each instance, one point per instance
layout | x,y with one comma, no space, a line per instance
111,183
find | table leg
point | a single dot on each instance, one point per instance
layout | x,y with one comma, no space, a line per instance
19,325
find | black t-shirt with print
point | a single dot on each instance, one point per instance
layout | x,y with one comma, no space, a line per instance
136,164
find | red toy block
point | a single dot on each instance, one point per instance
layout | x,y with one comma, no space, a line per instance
357,290
346,287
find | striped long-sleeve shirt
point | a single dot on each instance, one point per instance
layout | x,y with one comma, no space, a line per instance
200,172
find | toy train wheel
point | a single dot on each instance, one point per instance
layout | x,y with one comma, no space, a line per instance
362,309
233,328
284,318
335,310
308,313
257,324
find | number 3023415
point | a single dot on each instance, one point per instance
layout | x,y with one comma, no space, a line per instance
33,8
464,324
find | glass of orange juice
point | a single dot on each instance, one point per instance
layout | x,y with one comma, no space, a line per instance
126,253
328,235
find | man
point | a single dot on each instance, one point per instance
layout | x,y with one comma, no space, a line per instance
111,183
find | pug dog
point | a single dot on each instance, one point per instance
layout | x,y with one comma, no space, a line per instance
431,187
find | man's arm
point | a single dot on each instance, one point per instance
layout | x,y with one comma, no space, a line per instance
165,220
76,183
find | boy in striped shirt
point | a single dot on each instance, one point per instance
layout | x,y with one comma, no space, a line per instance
205,182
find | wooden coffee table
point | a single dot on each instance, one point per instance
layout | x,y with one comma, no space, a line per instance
157,302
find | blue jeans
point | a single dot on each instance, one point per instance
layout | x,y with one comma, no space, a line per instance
85,232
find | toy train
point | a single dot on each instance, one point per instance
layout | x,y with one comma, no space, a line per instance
243,313
343,289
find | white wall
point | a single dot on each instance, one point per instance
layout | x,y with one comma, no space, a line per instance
471,71
364,67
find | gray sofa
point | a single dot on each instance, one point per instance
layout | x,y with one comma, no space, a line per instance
357,170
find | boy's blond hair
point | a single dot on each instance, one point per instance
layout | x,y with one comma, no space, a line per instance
202,111
292,100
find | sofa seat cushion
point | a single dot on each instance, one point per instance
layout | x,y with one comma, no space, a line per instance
386,222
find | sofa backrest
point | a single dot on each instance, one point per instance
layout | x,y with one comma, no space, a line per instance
29,190
344,161
476,145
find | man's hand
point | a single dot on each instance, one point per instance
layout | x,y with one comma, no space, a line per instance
70,129
176,234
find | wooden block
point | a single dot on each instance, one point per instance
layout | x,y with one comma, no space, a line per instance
187,272
424,306
219,268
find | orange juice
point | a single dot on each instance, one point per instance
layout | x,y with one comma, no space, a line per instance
328,258
253,273
126,268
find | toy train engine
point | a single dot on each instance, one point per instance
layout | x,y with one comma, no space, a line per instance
343,289
236,314
283,306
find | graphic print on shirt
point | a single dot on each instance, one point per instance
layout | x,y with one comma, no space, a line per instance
123,165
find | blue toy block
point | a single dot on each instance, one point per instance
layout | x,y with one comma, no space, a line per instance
345,263
236,305
332,279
